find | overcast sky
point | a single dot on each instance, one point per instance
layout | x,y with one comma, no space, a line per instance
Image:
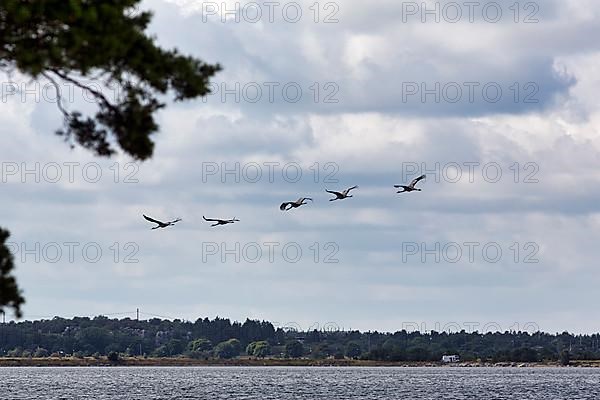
496,104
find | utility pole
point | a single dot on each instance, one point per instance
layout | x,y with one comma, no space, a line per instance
137,318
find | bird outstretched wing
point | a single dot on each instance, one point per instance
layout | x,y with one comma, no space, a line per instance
333,192
349,189
210,219
283,206
151,219
416,180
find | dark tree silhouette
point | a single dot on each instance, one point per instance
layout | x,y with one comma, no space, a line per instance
103,42
10,294
86,336
97,46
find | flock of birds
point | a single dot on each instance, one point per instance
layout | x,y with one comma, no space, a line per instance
288,205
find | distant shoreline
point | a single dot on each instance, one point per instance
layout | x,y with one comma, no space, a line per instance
251,362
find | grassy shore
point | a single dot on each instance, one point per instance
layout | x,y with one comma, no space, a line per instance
273,362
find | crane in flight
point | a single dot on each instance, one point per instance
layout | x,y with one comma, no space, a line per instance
220,221
411,187
288,205
341,195
160,224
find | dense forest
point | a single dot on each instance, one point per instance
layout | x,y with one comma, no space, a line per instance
221,338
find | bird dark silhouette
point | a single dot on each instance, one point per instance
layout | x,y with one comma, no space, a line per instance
341,195
161,224
411,186
288,205
220,221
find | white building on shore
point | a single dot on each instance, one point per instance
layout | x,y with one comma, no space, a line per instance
450,359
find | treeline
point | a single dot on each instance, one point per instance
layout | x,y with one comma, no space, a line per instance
221,338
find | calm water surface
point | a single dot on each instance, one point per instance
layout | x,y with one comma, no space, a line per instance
150,383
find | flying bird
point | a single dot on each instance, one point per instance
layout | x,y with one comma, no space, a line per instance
161,224
341,195
288,205
411,186
220,221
